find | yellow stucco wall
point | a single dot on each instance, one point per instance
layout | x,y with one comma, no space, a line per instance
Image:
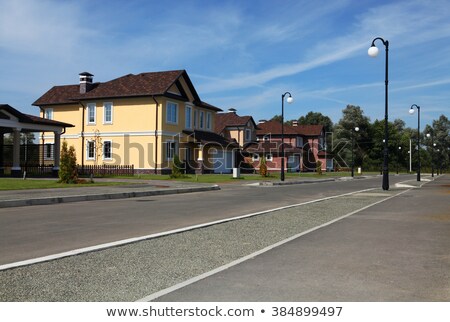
131,132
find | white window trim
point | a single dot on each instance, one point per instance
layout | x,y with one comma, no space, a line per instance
201,121
255,157
186,124
248,135
269,157
88,116
46,113
111,150
87,150
208,120
195,122
167,150
104,113
176,113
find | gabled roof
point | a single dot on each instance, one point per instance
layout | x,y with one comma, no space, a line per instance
309,130
274,128
144,84
231,119
26,118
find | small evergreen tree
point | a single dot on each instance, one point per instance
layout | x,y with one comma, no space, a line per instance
319,167
176,167
263,167
68,164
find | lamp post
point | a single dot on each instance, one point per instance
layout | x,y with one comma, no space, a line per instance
356,129
432,153
289,100
373,52
398,156
411,111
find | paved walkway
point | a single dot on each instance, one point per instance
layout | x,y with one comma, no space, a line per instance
131,188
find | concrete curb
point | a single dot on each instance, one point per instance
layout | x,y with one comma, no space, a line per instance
104,196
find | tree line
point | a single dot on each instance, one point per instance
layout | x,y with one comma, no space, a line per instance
368,142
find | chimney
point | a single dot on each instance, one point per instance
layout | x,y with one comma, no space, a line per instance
85,82
232,110
262,121
294,123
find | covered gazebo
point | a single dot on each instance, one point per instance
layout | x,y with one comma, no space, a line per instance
13,121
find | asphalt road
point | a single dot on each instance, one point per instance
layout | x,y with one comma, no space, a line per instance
30,232
398,250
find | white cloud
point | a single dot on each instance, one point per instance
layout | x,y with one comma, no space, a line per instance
52,29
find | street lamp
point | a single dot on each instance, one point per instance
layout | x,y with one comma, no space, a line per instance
411,111
398,157
290,99
373,52
432,153
356,129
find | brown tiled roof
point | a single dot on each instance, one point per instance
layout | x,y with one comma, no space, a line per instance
309,130
205,137
231,119
144,84
274,128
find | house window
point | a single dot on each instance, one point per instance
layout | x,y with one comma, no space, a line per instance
91,113
172,113
107,150
255,157
269,157
299,142
195,119
107,113
48,153
170,150
202,119
188,119
208,121
90,153
48,113
248,135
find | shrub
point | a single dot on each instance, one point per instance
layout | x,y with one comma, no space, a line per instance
263,167
319,167
68,164
176,168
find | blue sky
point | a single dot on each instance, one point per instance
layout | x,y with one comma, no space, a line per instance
240,54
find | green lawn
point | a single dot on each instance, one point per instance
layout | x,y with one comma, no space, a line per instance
223,178
20,184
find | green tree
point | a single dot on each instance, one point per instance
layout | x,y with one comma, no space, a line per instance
316,118
263,167
68,164
176,168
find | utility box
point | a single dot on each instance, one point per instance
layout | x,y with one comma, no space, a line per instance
359,170
236,173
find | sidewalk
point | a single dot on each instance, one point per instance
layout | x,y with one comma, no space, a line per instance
132,189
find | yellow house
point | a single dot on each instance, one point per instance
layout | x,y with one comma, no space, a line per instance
143,120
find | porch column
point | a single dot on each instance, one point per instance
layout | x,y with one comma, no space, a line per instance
16,171
56,153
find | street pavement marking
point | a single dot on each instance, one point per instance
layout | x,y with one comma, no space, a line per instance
264,250
175,231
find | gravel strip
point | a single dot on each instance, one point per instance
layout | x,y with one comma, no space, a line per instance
133,271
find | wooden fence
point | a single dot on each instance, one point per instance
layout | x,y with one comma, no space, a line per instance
106,170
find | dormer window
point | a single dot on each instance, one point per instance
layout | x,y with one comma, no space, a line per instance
248,135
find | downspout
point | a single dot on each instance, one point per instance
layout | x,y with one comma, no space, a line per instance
82,136
156,136
43,139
